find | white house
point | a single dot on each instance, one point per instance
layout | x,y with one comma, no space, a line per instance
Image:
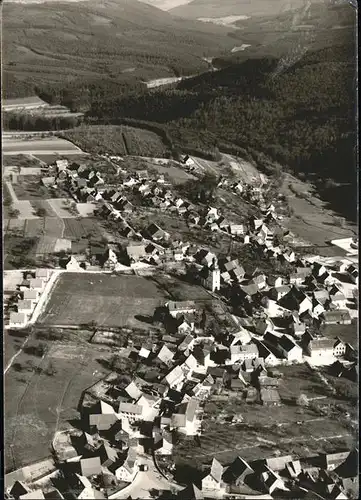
212,482
290,350
339,348
17,320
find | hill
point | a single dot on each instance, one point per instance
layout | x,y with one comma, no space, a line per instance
301,115
122,41
215,9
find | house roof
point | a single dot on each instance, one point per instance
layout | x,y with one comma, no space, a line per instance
322,343
136,251
130,408
36,283
338,314
181,305
33,495
16,317
90,466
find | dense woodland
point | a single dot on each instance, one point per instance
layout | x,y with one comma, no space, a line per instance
302,117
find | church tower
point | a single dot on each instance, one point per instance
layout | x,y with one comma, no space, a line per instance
215,276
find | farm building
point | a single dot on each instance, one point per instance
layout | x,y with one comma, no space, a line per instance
183,307
320,347
17,320
337,317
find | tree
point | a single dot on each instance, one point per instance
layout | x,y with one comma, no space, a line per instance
13,213
41,212
302,400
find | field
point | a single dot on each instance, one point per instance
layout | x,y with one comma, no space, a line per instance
41,396
21,160
117,140
112,301
37,146
271,430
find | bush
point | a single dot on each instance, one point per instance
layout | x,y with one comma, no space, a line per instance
302,400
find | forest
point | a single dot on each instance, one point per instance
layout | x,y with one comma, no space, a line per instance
302,117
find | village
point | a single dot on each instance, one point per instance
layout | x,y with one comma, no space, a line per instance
254,324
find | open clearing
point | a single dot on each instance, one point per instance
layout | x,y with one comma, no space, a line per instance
38,403
109,300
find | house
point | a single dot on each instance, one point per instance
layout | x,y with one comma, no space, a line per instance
300,275
320,347
17,320
33,495
130,411
296,300
72,264
90,466
213,479
165,355
185,419
336,317
289,349
337,297
156,233
61,165
25,307
239,353
237,472
19,488
109,259
339,348
36,284
108,455
322,296
184,324
272,481
352,272
317,308
43,274
276,293
270,396
181,307
211,276
127,470
175,376
136,252
191,492
275,281
237,229
269,358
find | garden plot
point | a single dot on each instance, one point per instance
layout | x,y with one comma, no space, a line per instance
54,227
33,227
76,229
29,187
16,226
62,207
25,209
